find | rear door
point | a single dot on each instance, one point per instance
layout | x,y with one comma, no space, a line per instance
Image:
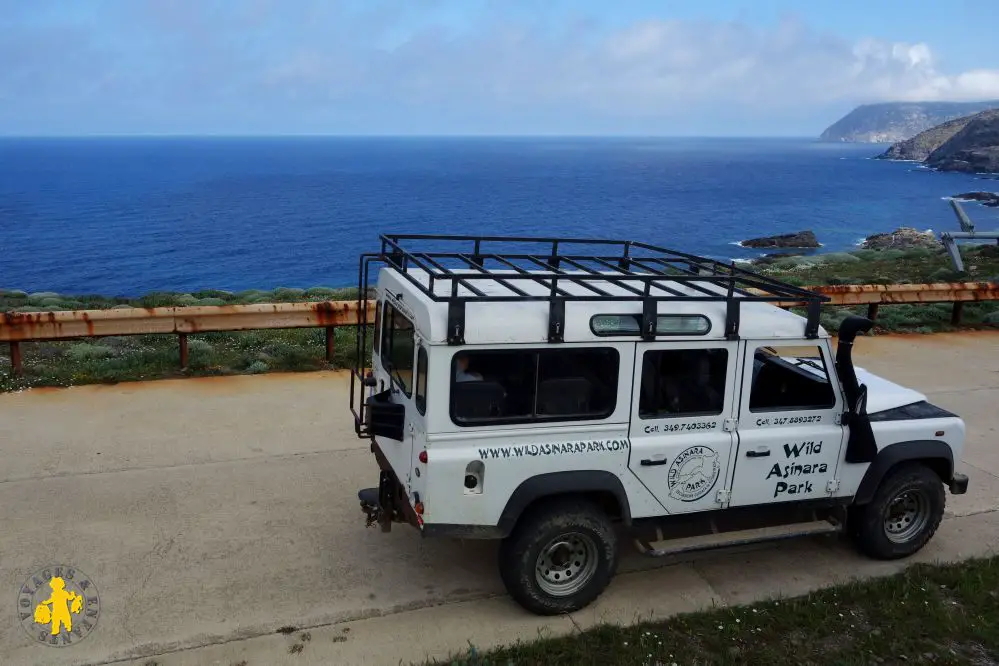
789,431
398,356
682,406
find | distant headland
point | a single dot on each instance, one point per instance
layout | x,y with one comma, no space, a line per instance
890,122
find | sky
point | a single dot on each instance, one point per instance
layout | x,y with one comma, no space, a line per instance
494,67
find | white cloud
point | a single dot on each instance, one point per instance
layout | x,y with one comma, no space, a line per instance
314,60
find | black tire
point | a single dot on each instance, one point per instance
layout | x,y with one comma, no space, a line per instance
921,498
582,524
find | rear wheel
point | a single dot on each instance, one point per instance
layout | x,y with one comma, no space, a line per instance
560,556
903,515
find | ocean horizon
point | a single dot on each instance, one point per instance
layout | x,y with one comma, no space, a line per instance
130,215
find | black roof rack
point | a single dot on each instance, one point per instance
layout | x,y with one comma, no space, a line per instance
635,267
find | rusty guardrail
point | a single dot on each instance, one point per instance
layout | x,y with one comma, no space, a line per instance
875,295
17,327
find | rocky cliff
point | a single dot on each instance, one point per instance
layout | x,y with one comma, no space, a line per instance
919,147
897,121
974,149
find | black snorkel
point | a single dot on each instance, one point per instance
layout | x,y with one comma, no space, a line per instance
861,446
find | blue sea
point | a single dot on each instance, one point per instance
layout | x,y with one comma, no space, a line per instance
127,216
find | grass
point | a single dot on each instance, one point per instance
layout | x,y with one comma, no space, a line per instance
937,615
104,360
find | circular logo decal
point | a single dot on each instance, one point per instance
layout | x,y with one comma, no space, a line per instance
58,606
693,474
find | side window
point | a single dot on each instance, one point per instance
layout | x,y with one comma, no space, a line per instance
682,382
421,380
790,378
577,383
397,348
504,386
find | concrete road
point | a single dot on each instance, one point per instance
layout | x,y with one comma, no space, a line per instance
210,513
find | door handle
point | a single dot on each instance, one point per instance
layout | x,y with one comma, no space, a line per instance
651,463
758,454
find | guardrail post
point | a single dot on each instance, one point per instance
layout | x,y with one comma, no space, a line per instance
183,350
955,314
330,330
16,362
872,311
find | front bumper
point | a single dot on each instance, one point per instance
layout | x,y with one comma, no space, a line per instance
389,502
959,484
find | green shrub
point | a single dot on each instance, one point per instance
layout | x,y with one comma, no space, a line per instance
85,351
837,258
285,293
786,263
209,301
15,293
212,293
867,255
39,296
195,346
257,367
186,300
891,255
325,293
918,253
946,275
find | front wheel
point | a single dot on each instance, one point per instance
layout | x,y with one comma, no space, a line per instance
560,557
903,515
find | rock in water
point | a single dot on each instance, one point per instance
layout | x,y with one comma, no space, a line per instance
984,198
903,238
799,239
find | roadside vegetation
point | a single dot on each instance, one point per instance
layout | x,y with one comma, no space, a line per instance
912,266
941,615
130,358
116,359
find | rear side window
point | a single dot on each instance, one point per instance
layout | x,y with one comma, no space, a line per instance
397,348
519,386
421,380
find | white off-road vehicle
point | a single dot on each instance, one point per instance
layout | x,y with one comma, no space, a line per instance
559,399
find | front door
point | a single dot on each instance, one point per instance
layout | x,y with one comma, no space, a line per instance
682,406
789,432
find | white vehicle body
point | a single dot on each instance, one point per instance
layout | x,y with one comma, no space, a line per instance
611,415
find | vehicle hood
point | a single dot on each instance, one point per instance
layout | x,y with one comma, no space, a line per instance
883,394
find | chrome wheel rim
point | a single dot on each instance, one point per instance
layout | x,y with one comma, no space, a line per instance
566,564
906,516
